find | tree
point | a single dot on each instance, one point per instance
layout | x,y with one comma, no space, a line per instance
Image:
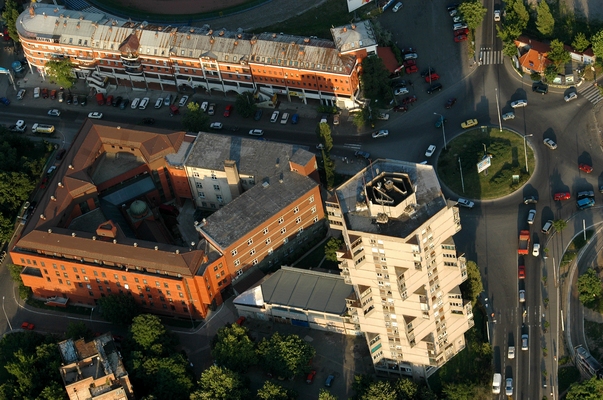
589,288
329,167
61,71
272,391
195,120
379,390
149,335
361,118
597,43
118,308
519,14
375,80
245,104
473,12
10,16
77,330
580,42
558,55
509,48
54,391
218,383
545,23
406,389
333,244
559,224
591,389
166,377
473,286
285,356
233,349
323,131
458,391
323,394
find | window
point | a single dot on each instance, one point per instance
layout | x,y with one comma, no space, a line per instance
214,177
315,219
239,272
234,252
249,242
313,209
201,195
199,185
255,261
216,187
219,198
286,241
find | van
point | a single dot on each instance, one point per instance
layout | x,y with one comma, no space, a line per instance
285,118
42,128
586,202
100,99
496,382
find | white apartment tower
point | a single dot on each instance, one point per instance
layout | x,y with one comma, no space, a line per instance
401,259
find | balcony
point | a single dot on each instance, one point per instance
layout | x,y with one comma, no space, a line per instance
133,71
129,57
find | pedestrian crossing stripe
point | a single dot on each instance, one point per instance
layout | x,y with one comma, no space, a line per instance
352,145
592,93
487,56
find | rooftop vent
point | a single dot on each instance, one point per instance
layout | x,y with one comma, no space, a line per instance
274,35
50,231
265,184
156,247
177,251
53,198
221,33
93,237
353,26
71,166
193,244
114,241
135,244
42,216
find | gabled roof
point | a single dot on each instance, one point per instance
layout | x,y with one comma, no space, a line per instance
534,61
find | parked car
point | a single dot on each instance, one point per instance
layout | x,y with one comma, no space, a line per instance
496,15
522,296
21,94
285,118
508,116
241,321
540,88
521,272
410,56
436,87
61,96
329,381
550,144
509,387
216,125
109,100
123,104
135,103
460,38
562,196
465,203
310,377
531,216
462,31
258,115
519,103
430,150
412,69
28,326
183,101
274,116
469,123
427,72
204,106
524,342
397,7
95,115
117,101
54,113
450,103
432,77
5,101
511,353
400,108
546,228
53,94
460,25
536,249
159,102
585,168
295,119
36,92
44,93
381,133
144,103
570,96
400,90
256,132
228,110
211,110
362,154
530,200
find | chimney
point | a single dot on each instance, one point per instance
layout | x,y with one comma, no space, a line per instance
345,29
32,11
233,178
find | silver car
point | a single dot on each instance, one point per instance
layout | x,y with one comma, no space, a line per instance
519,103
550,144
465,203
531,217
508,116
509,387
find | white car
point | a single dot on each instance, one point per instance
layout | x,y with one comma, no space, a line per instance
400,90
536,250
496,15
465,203
398,6
183,101
381,133
159,102
144,103
274,116
509,387
320,146
522,296
256,132
135,103
216,125
430,150
204,106
571,96
95,115
511,353
460,25
550,144
509,115
519,103
531,216
54,113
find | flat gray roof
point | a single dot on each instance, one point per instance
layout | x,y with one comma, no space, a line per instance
255,206
429,197
307,290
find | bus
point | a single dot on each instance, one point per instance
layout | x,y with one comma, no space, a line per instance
587,362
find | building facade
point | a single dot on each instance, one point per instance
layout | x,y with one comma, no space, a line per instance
108,220
401,259
146,56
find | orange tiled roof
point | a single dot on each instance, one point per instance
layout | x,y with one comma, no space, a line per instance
533,60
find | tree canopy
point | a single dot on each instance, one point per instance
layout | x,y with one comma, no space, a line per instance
272,391
218,383
597,43
591,389
589,288
285,356
245,104
545,23
232,348
331,247
10,16
558,55
473,12
473,286
61,71
375,80
118,308
195,120
149,335
580,42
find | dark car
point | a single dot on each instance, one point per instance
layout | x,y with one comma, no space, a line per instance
44,93
117,101
450,102
69,99
540,88
436,87
82,100
61,154
362,154
258,115
124,104
4,101
400,108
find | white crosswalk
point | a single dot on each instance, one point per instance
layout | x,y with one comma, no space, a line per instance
489,56
355,146
591,92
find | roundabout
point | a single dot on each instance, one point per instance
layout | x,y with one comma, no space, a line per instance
507,151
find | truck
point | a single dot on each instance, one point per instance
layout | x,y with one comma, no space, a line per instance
42,128
524,242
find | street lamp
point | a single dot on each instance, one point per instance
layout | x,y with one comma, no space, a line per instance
443,130
525,151
6,316
498,110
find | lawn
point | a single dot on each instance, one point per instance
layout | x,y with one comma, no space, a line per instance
506,149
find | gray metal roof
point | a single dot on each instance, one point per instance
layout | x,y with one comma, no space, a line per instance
307,290
255,206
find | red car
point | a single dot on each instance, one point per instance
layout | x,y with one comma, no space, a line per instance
44,182
27,325
228,110
432,77
409,63
561,196
310,377
241,321
586,168
44,93
464,31
450,102
409,100
460,38
522,272
412,69
400,108
109,100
